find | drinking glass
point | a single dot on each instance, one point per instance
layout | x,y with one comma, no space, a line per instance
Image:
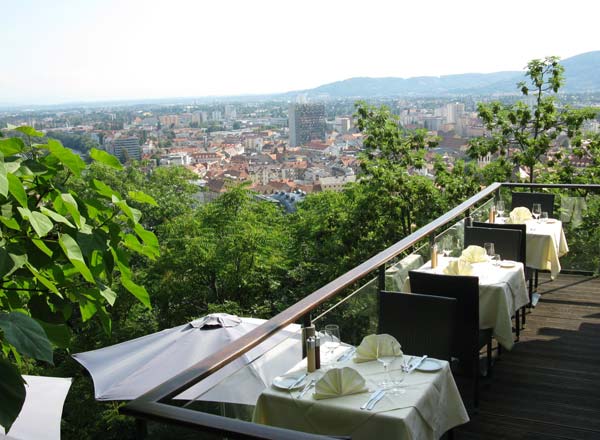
497,260
500,208
489,249
447,244
332,340
544,217
385,355
536,211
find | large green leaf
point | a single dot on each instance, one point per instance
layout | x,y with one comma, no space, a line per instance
40,223
3,180
42,279
73,253
42,246
58,334
71,205
105,158
30,131
10,262
15,187
26,335
109,294
71,160
12,390
147,236
103,189
142,197
136,290
56,216
11,146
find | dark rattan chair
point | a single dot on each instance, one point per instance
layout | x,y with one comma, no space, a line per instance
527,199
507,242
523,253
468,338
423,324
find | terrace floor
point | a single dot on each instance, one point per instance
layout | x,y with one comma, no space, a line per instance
548,386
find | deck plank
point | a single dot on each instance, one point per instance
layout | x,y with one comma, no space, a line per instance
548,386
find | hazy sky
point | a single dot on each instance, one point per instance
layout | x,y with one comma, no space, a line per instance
54,51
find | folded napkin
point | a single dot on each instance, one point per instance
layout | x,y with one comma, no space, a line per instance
520,215
459,267
367,350
339,382
474,254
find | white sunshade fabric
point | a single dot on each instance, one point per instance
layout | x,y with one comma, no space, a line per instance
127,370
42,411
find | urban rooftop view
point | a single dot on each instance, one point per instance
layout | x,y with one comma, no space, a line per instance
263,235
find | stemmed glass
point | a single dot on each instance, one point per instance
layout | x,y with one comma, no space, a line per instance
536,211
500,208
447,245
489,249
332,339
385,355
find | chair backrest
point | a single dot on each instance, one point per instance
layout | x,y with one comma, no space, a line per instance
465,289
527,199
518,227
507,242
423,324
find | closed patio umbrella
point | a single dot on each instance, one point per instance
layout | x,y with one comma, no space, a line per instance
127,370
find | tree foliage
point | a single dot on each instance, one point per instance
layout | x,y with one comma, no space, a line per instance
64,255
523,133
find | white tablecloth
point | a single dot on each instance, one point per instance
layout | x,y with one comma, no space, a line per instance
430,406
502,291
546,243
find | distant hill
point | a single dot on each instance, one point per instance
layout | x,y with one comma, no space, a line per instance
581,74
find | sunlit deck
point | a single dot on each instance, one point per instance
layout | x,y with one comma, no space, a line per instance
548,386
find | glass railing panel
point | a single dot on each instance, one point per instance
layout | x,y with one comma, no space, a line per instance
578,213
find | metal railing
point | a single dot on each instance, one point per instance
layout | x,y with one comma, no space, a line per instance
154,405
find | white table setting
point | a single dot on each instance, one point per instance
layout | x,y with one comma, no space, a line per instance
546,241
502,288
408,397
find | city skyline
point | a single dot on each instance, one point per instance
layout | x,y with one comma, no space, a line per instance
107,50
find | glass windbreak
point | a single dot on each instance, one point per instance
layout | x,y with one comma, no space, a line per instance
579,214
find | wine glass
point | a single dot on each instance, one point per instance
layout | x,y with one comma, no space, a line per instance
536,211
500,208
447,246
385,355
332,339
489,249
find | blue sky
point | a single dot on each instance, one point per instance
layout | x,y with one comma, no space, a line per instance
67,50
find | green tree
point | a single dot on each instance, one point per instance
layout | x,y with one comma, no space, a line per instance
230,254
64,255
389,160
524,133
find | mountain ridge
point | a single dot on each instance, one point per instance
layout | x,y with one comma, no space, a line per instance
580,76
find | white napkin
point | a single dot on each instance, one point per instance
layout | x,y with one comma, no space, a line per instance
459,267
474,254
520,215
367,350
339,382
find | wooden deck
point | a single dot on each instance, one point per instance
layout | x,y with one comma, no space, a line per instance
548,386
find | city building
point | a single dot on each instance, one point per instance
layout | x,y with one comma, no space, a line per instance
126,149
306,122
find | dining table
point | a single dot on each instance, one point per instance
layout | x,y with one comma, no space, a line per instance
502,291
546,243
429,406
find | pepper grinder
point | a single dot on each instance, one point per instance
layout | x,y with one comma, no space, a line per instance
310,354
